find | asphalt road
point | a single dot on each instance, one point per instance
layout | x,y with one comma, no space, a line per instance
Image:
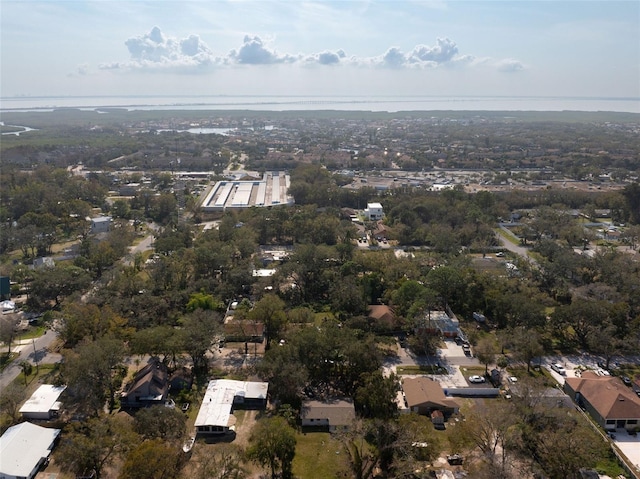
30,350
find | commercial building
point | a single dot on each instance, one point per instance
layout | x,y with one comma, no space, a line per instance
271,190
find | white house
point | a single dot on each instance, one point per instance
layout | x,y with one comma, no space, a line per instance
24,448
374,211
221,397
101,224
43,404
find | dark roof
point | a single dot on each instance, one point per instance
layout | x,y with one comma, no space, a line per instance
151,380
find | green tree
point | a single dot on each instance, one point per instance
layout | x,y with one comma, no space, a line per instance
11,400
54,284
376,397
151,459
160,422
486,351
27,369
527,345
197,333
270,311
7,331
222,462
273,443
94,444
93,373
362,460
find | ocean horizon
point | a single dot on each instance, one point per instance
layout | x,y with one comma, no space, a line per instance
308,102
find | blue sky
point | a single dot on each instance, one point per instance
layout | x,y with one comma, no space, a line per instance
291,47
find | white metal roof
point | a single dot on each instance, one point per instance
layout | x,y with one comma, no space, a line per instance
218,400
43,400
23,446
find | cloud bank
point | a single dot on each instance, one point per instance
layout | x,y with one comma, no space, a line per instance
156,51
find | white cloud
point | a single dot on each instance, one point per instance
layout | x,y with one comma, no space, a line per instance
394,58
510,65
155,50
327,57
444,51
254,52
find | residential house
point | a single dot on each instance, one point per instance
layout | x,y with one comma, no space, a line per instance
222,397
609,402
243,330
44,262
423,396
374,212
101,224
328,415
149,387
24,448
383,317
43,403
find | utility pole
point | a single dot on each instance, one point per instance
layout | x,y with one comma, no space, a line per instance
35,355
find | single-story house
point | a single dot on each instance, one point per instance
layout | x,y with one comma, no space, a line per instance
43,403
382,316
609,402
635,385
24,448
329,415
149,387
243,330
221,397
44,262
423,396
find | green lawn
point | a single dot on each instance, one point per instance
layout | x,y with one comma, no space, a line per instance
318,456
32,332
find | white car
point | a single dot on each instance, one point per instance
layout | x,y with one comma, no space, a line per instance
476,379
513,379
557,367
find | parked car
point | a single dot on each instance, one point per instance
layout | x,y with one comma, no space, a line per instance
626,380
513,379
499,254
476,379
557,367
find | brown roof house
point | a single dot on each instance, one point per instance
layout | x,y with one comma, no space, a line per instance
243,331
424,396
331,415
382,317
149,386
607,399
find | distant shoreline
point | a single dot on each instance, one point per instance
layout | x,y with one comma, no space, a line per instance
388,104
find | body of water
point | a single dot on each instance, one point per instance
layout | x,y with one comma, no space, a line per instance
282,103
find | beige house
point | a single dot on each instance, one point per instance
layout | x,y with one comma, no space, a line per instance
612,404
424,396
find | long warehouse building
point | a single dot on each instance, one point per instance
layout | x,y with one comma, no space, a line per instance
271,190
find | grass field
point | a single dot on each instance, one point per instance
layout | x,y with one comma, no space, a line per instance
319,455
